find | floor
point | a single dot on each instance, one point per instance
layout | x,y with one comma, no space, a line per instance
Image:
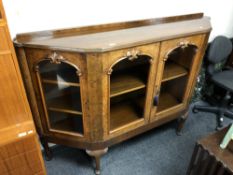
157,152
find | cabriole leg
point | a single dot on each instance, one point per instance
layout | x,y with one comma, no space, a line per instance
47,151
97,155
181,122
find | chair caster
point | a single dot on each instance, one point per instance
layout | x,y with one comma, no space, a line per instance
218,128
219,124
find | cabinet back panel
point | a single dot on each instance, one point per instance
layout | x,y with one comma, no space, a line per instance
176,87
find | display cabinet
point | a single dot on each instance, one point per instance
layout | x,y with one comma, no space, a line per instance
92,87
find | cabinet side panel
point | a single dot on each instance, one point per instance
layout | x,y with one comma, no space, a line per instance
29,87
200,56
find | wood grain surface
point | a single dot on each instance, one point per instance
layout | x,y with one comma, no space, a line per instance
20,152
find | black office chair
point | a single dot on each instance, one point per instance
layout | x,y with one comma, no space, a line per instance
218,51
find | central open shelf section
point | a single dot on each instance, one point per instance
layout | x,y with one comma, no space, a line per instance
122,84
124,113
128,84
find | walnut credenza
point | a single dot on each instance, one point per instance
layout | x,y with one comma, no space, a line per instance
92,87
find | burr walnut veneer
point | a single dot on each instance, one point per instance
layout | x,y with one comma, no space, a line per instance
92,87
20,153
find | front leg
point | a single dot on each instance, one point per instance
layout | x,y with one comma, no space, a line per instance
47,151
97,154
181,122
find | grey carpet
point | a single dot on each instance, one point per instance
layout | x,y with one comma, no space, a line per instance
157,152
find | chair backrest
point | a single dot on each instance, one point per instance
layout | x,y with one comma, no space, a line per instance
219,50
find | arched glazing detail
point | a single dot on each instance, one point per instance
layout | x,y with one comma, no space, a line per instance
59,85
177,67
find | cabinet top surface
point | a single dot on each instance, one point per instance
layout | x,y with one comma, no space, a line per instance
120,38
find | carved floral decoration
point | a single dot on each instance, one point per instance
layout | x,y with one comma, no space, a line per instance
56,58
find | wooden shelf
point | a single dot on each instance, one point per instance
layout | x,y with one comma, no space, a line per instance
124,113
65,77
125,83
60,82
70,124
166,101
172,71
66,104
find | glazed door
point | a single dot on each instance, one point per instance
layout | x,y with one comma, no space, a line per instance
130,76
178,61
59,87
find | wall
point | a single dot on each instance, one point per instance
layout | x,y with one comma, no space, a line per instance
35,15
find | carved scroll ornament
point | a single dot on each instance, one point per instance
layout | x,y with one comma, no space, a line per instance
132,55
183,45
56,58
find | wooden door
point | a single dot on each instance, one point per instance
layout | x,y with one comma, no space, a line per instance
179,59
58,78
130,76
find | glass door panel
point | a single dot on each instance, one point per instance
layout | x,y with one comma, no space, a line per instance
177,67
61,92
128,84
